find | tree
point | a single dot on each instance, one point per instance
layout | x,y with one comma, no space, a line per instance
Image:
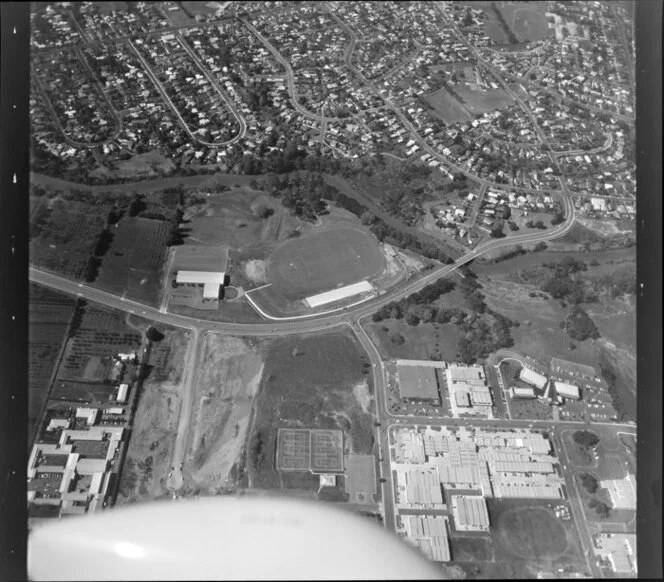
580,326
136,205
589,483
601,508
497,231
585,438
412,319
557,219
398,339
154,335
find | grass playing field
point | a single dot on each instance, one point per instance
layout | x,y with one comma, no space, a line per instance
447,107
319,262
527,532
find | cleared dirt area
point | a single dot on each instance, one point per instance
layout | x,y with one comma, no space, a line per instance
150,450
230,371
304,386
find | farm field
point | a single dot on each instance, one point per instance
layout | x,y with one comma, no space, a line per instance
527,533
230,370
324,260
303,386
133,264
63,234
447,107
49,316
101,334
151,444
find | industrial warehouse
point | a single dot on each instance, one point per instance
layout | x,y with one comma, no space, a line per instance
554,391
429,381
200,274
454,471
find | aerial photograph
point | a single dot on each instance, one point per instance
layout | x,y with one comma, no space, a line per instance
373,257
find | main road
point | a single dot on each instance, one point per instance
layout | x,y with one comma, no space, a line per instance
316,322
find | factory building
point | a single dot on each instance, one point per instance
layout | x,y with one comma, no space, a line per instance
409,447
210,281
523,392
123,391
429,534
533,378
418,384
567,390
419,487
622,492
470,513
619,550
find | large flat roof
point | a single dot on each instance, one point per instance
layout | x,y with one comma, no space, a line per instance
338,294
533,377
418,382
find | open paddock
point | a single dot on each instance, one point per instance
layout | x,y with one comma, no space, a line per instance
134,262
447,107
80,392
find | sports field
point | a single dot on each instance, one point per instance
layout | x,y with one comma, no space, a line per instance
327,451
318,451
447,107
528,532
293,450
527,21
322,261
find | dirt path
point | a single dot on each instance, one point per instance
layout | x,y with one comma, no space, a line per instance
190,369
